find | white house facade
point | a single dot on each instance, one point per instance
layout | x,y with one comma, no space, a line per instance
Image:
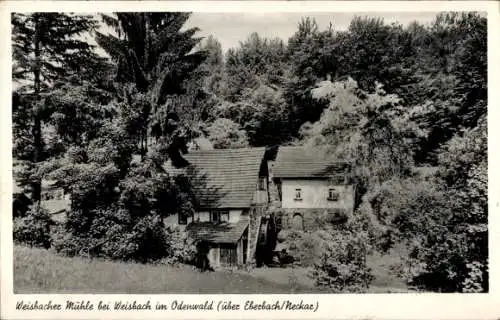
311,189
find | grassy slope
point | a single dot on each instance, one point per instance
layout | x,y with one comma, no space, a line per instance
39,271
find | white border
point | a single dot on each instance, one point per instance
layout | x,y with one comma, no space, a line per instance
384,306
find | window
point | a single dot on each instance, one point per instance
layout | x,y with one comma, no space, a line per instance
47,195
219,216
182,218
333,195
298,194
262,183
214,216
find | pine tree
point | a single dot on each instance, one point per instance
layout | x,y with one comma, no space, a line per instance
45,49
155,58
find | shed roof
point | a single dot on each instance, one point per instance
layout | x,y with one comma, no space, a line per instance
223,178
301,162
217,232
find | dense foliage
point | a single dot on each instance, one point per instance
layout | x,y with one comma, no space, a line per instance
95,125
34,228
406,105
44,51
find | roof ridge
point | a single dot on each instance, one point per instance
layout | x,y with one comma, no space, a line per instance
226,150
300,161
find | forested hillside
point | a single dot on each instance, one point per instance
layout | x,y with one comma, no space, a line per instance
406,105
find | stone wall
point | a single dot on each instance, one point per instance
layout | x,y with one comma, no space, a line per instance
312,219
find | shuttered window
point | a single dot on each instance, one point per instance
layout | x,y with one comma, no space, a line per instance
333,194
298,194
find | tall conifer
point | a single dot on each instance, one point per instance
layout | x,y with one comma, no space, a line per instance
155,56
45,49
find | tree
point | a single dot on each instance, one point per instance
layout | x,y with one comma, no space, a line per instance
309,64
225,134
257,61
442,217
156,57
438,70
34,228
371,131
211,70
207,81
267,125
464,160
78,108
45,49
117,205
255,73
448,85
376,52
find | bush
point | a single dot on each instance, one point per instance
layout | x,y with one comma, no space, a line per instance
306,248
181,248
112,233
342,266
69,244
144,241
34,228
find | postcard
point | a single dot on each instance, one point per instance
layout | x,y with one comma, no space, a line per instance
251,159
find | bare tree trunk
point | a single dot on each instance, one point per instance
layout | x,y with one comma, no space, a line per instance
145,138
37,122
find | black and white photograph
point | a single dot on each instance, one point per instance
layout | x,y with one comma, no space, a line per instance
174,152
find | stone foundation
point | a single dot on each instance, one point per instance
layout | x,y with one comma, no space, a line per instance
312,219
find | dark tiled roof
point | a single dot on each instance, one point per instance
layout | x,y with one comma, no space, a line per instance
217,232
300,162
223,178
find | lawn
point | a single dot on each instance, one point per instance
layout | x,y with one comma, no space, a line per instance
40,271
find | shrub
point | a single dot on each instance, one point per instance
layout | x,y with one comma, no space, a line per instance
112,233
342,266
145,241
306,248
69,244
182,248
34,228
